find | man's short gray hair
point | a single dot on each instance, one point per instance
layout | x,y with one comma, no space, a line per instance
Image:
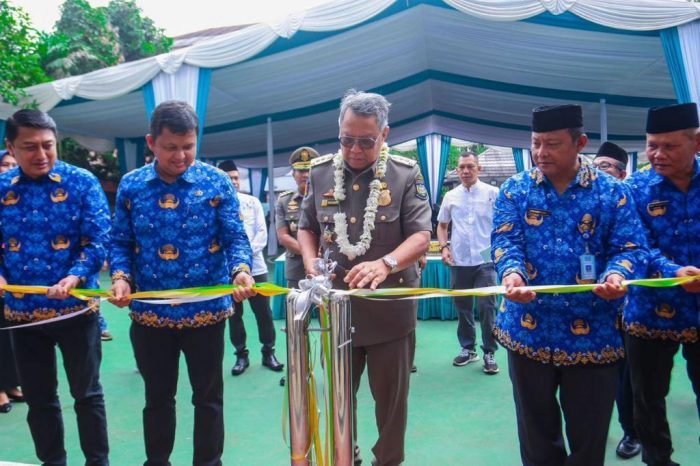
365,104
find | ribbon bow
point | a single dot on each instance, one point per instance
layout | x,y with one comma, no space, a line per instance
313,289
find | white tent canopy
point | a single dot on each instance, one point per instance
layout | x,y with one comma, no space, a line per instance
470,69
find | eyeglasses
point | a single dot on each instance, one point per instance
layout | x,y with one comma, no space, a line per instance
364,143
608,165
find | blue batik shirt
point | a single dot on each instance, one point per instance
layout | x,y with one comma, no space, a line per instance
51,227
541,235
671,220
180,235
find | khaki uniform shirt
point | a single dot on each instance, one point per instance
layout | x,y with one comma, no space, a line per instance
287,211
403,211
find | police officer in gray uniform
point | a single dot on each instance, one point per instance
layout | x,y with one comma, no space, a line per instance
370,210
287,211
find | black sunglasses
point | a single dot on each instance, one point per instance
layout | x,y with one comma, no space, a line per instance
364,143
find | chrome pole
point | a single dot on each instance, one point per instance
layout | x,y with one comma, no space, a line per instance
298,380
341,376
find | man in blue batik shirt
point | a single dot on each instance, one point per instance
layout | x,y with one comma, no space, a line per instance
659,321
177,226
54,222
563,222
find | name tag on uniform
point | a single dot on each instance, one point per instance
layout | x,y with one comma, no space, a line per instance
588,267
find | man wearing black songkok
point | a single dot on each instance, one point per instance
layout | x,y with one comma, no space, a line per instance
661,321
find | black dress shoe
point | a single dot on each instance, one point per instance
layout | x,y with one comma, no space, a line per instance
628,447
270,361
241,365
414,369
15,398
6,408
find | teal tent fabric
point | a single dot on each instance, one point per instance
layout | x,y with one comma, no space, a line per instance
671,43
445,143
140,152
2,133
119,144
518,158
203,87
149,99
423,162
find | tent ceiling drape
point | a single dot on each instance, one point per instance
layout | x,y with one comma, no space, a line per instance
463,68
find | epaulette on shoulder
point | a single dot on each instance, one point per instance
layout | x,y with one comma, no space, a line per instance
286,193
403,160
322,159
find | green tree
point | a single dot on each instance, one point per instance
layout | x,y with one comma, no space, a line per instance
453,159
19,63
138,35
84,40
104,165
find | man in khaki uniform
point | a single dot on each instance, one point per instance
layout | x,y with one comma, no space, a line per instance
287,211
376,225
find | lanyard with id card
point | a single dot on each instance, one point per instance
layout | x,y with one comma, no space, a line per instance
587,260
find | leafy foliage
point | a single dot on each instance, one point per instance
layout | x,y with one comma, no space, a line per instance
138,35
20,66
84,41
86,38
104,166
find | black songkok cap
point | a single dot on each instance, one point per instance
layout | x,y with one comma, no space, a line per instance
553,117
228,166
672,118
608,149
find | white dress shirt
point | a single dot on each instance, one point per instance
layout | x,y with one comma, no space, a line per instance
471,212
253,219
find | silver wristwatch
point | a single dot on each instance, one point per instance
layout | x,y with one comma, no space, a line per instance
391,263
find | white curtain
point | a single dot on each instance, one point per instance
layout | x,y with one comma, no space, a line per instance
180,85
637,15
433,145
689,35
527,161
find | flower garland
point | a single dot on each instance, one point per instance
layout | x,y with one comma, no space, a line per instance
341,225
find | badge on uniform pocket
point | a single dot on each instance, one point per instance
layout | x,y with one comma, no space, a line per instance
384,198
657,208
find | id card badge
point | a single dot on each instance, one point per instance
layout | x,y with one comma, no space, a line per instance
588,267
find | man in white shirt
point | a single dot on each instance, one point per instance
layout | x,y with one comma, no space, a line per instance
253,219
469,207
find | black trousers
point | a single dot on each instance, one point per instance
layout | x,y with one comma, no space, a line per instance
650,364
81,348
8,369
157,352
586,396
624,399
263,316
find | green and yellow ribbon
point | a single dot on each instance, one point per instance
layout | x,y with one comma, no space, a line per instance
270,289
